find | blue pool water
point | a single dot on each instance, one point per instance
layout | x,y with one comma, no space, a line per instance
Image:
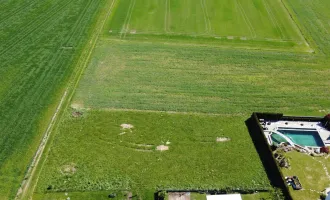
304,137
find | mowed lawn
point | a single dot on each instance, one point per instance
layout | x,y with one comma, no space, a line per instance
183,78
246,19
311,173
93,152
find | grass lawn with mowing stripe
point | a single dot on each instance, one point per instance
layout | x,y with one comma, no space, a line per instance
251,23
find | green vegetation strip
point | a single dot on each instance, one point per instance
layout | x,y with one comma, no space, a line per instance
41,42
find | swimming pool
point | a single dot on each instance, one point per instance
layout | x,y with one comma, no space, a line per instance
277,139
303,137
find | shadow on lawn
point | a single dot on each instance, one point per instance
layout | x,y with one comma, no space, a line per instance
266,156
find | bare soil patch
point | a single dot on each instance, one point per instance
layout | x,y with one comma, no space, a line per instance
126,126
223,139
69,169
77,113
162,148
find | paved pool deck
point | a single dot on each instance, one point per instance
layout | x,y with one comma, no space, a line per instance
274,125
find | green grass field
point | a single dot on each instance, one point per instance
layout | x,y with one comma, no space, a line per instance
252,22
183,78
156,57
41,42
212,62
128,160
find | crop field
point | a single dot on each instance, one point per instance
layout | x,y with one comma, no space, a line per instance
182,73
182,78
251,22
41,42
127,159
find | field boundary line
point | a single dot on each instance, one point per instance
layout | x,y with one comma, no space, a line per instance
27,179
66,97
246,19
273,18
206,35
300,28
222,46
161,111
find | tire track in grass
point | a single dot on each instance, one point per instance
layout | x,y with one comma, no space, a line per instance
165,19
273,19
38,92
78,22
246,19
129,19
206,17
59,55
42,74
17,10
123,29
58,69
169,17
67,96
33,27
